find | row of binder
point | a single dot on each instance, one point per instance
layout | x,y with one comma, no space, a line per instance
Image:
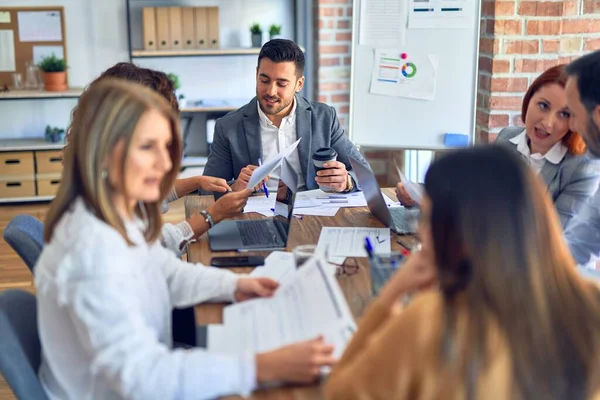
176,28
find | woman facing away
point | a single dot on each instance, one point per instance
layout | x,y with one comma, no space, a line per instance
176,237
554,152
511,319
106,286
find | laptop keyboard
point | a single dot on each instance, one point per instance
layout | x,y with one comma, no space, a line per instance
405,220
259,233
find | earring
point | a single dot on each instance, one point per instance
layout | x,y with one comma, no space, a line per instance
104,174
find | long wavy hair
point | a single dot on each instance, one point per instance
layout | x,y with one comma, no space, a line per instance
108,113
503,263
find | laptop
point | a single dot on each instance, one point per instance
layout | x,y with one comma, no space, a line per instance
401,220
266,234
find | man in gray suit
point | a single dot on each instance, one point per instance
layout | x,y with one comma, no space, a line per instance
276,118
583,98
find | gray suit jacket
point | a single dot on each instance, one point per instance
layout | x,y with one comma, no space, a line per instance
570,183
237,142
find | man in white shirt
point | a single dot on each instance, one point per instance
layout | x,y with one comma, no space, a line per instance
276,118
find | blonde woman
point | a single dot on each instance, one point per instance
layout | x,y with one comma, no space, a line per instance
105,284
512,318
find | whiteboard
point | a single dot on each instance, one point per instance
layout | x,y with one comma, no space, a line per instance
395,122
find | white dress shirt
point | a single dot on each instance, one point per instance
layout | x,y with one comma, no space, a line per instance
276,139
104,317
555,155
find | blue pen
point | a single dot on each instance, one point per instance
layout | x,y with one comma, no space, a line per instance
264,185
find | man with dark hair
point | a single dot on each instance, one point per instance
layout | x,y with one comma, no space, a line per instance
583,99
275,119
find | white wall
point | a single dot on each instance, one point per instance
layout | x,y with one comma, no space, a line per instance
97,38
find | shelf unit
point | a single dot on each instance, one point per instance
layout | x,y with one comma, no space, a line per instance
70,93
194,53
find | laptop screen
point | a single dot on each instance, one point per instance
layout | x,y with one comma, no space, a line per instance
284,208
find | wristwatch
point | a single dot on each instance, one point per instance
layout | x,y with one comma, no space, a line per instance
208,218
349,184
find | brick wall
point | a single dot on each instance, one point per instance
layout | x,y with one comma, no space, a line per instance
519,40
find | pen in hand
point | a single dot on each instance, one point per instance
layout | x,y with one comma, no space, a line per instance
263,182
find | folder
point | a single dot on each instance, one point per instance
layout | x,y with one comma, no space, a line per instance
201,31
162,28
188,21
213,28
175,31
149,28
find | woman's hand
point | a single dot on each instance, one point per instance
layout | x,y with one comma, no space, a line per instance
211,184
250,288
296,363
418,272
229,205
403,196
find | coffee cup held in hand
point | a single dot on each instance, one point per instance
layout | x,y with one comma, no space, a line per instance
320,157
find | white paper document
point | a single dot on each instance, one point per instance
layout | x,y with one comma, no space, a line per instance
279,266
382,23
41,52
404,74
318,211
39,26
439,14
269,165
350,242
309,305
415,191
7,51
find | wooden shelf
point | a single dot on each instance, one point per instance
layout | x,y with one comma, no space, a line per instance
25,199
195,53
28,145
70,93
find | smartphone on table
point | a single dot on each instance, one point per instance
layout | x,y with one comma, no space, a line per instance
237,261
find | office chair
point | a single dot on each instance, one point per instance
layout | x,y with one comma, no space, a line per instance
25,234
20,350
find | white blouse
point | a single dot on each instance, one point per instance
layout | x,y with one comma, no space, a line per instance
173,235
104,317
555,155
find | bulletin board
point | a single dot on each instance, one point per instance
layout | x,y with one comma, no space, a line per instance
29,34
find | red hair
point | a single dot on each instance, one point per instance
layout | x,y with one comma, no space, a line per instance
555,75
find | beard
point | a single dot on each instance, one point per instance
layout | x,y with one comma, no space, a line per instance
275,108
592,138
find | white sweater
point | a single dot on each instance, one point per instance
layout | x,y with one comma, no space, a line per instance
104,318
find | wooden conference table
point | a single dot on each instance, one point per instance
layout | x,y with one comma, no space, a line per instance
356,284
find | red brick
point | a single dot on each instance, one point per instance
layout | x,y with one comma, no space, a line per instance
482,118
552,27
340,98
570,45
541,8
321,24
343,24
498,121
533,65
483,100
349,11
509,84
343,37
504,27
591,44
333,49
550,46
330,24
347,60
331,11
329,62
323,98
591,6
485,82
512,103
500,66
504,8
580,26
521,46
325,36
489,46
333,86
343,109
488,9
570,8
485,64
516,120
482,135
491,137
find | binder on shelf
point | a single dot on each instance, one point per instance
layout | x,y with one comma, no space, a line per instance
188,27
149,28
201,31
175,30
213,28
162,28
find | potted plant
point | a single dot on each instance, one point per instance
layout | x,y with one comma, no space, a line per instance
54,73
177,85
275,31
54,135
256,32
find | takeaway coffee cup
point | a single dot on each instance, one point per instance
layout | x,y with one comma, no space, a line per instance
320,157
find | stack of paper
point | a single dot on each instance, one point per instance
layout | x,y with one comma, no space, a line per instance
309,304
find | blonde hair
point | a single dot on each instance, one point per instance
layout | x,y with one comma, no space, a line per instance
108,113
